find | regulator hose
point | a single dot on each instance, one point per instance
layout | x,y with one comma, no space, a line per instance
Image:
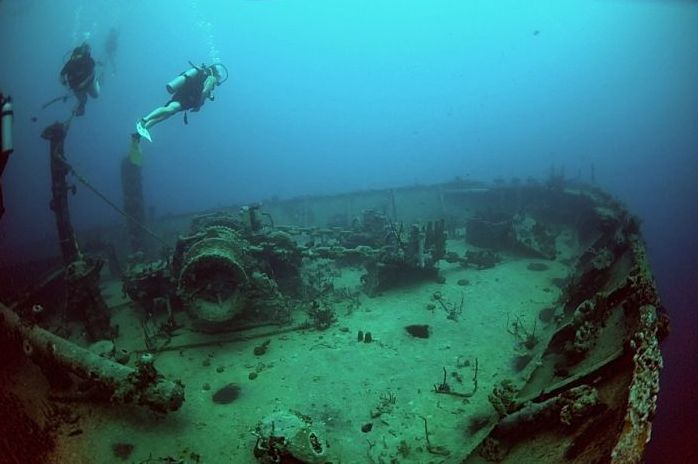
226,72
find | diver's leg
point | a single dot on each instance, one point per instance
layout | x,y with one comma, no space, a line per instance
156,116
82,99
160,114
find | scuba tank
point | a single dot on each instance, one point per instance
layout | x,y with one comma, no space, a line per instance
6,147
176,83
6,119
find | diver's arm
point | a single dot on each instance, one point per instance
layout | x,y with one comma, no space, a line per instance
209,84
206,92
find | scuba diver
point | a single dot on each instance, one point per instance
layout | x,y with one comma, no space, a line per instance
79,75
189,90
110,47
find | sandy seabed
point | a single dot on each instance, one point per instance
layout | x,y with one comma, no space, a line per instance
337,380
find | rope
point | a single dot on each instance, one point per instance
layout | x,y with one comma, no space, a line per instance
94,190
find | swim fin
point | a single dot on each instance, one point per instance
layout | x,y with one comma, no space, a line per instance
142,131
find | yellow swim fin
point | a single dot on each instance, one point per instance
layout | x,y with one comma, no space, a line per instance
135,154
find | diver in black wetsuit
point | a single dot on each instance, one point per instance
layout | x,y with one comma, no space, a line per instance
79,74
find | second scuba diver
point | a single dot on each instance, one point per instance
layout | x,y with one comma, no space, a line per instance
190,91
79,75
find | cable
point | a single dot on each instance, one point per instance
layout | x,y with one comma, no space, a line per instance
87,184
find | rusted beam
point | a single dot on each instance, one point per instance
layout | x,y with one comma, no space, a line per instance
56,134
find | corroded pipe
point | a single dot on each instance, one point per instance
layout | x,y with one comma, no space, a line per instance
120,384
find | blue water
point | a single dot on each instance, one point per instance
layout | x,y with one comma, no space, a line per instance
327,96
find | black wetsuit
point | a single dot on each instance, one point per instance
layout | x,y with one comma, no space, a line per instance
189,95
79,72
